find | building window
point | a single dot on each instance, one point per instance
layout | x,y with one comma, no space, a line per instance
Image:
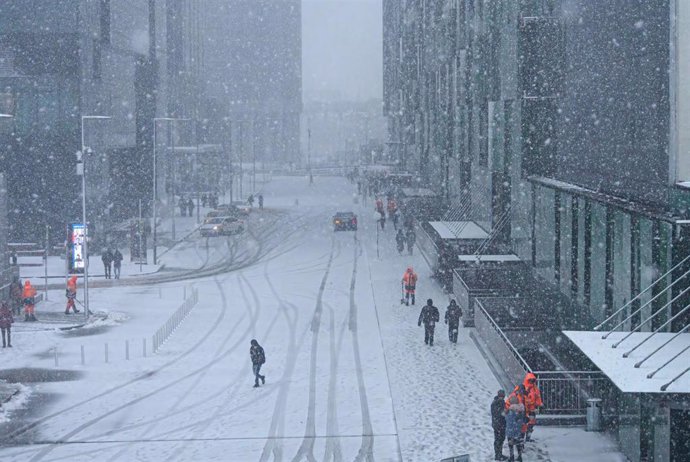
105,22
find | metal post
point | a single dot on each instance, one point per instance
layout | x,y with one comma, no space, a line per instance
86,228
106,352
45,264
311,178
143,344
254,156
83,357
155,195
240,142
172,188
127,350
55,352
141,232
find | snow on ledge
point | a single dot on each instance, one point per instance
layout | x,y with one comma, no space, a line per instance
622,371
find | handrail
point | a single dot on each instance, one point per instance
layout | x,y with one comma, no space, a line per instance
640,294
505,218
627,353
605,336
615,345
652,374
516,353
666,385
639,363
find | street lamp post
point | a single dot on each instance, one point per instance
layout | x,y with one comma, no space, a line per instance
83,211
170,120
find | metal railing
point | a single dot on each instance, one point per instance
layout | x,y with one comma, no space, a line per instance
167,329
513,364
567,392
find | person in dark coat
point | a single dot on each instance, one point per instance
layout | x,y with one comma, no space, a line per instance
16,288
515,420
261,201
117,263
204,199
429,316
107,259
182,204
256,353
498,422
453,314
411,239
400,241
6,321
190,206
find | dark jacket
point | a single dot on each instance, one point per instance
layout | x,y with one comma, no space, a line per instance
429,316
6,318
256,352
107,257
117,258
515,419
453,314
411,237
400,238
498,418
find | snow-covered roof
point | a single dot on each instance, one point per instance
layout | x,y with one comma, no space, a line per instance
622,371
458,230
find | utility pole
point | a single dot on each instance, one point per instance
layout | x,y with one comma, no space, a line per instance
311,177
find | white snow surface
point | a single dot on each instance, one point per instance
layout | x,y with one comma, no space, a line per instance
458,230
622,371
348,376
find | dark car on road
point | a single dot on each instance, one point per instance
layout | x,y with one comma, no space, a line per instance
344,221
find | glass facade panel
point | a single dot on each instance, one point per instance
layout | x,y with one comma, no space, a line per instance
621,263
566,212
581,210
647,271
521,226
598,263
544,232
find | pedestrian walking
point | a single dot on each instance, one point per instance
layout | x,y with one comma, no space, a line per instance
409,281
29,299
411,239
261,201
396,218
400,241
453,315
107,259
498,422
382,221
16,295
250,200
392,207
204,199
258,357
515,419
182,204
379,206
117,263
71,294
429,316
6,320
190,206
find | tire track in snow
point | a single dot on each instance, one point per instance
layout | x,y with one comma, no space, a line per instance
366,449
306,449
333,449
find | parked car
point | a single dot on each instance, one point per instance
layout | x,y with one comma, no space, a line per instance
344,221
222,226
215,214
242,207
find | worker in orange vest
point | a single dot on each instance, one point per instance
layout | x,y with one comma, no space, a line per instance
409,281
71,294
533,402
29,295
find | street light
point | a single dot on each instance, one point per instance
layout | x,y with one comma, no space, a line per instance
170,120
83,211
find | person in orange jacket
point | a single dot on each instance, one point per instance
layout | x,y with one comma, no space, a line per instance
71,294
409,281
28,296
533,402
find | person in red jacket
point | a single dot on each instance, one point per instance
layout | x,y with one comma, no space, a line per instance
533,402
409,281
6,321
29,296
71,294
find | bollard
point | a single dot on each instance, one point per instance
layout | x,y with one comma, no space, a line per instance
184,292
593,415
83,359
143,342
56,356
160,293
127,350
106,352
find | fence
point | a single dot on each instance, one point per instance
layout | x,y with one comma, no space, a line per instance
174,321
513,364
565,392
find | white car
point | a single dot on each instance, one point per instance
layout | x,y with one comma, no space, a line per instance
222,226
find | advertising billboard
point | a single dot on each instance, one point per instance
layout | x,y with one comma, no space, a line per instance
76,233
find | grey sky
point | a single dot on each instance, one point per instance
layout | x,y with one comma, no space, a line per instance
341,50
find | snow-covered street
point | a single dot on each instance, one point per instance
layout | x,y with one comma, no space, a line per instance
348,376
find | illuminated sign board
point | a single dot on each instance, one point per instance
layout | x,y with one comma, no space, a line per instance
75,248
